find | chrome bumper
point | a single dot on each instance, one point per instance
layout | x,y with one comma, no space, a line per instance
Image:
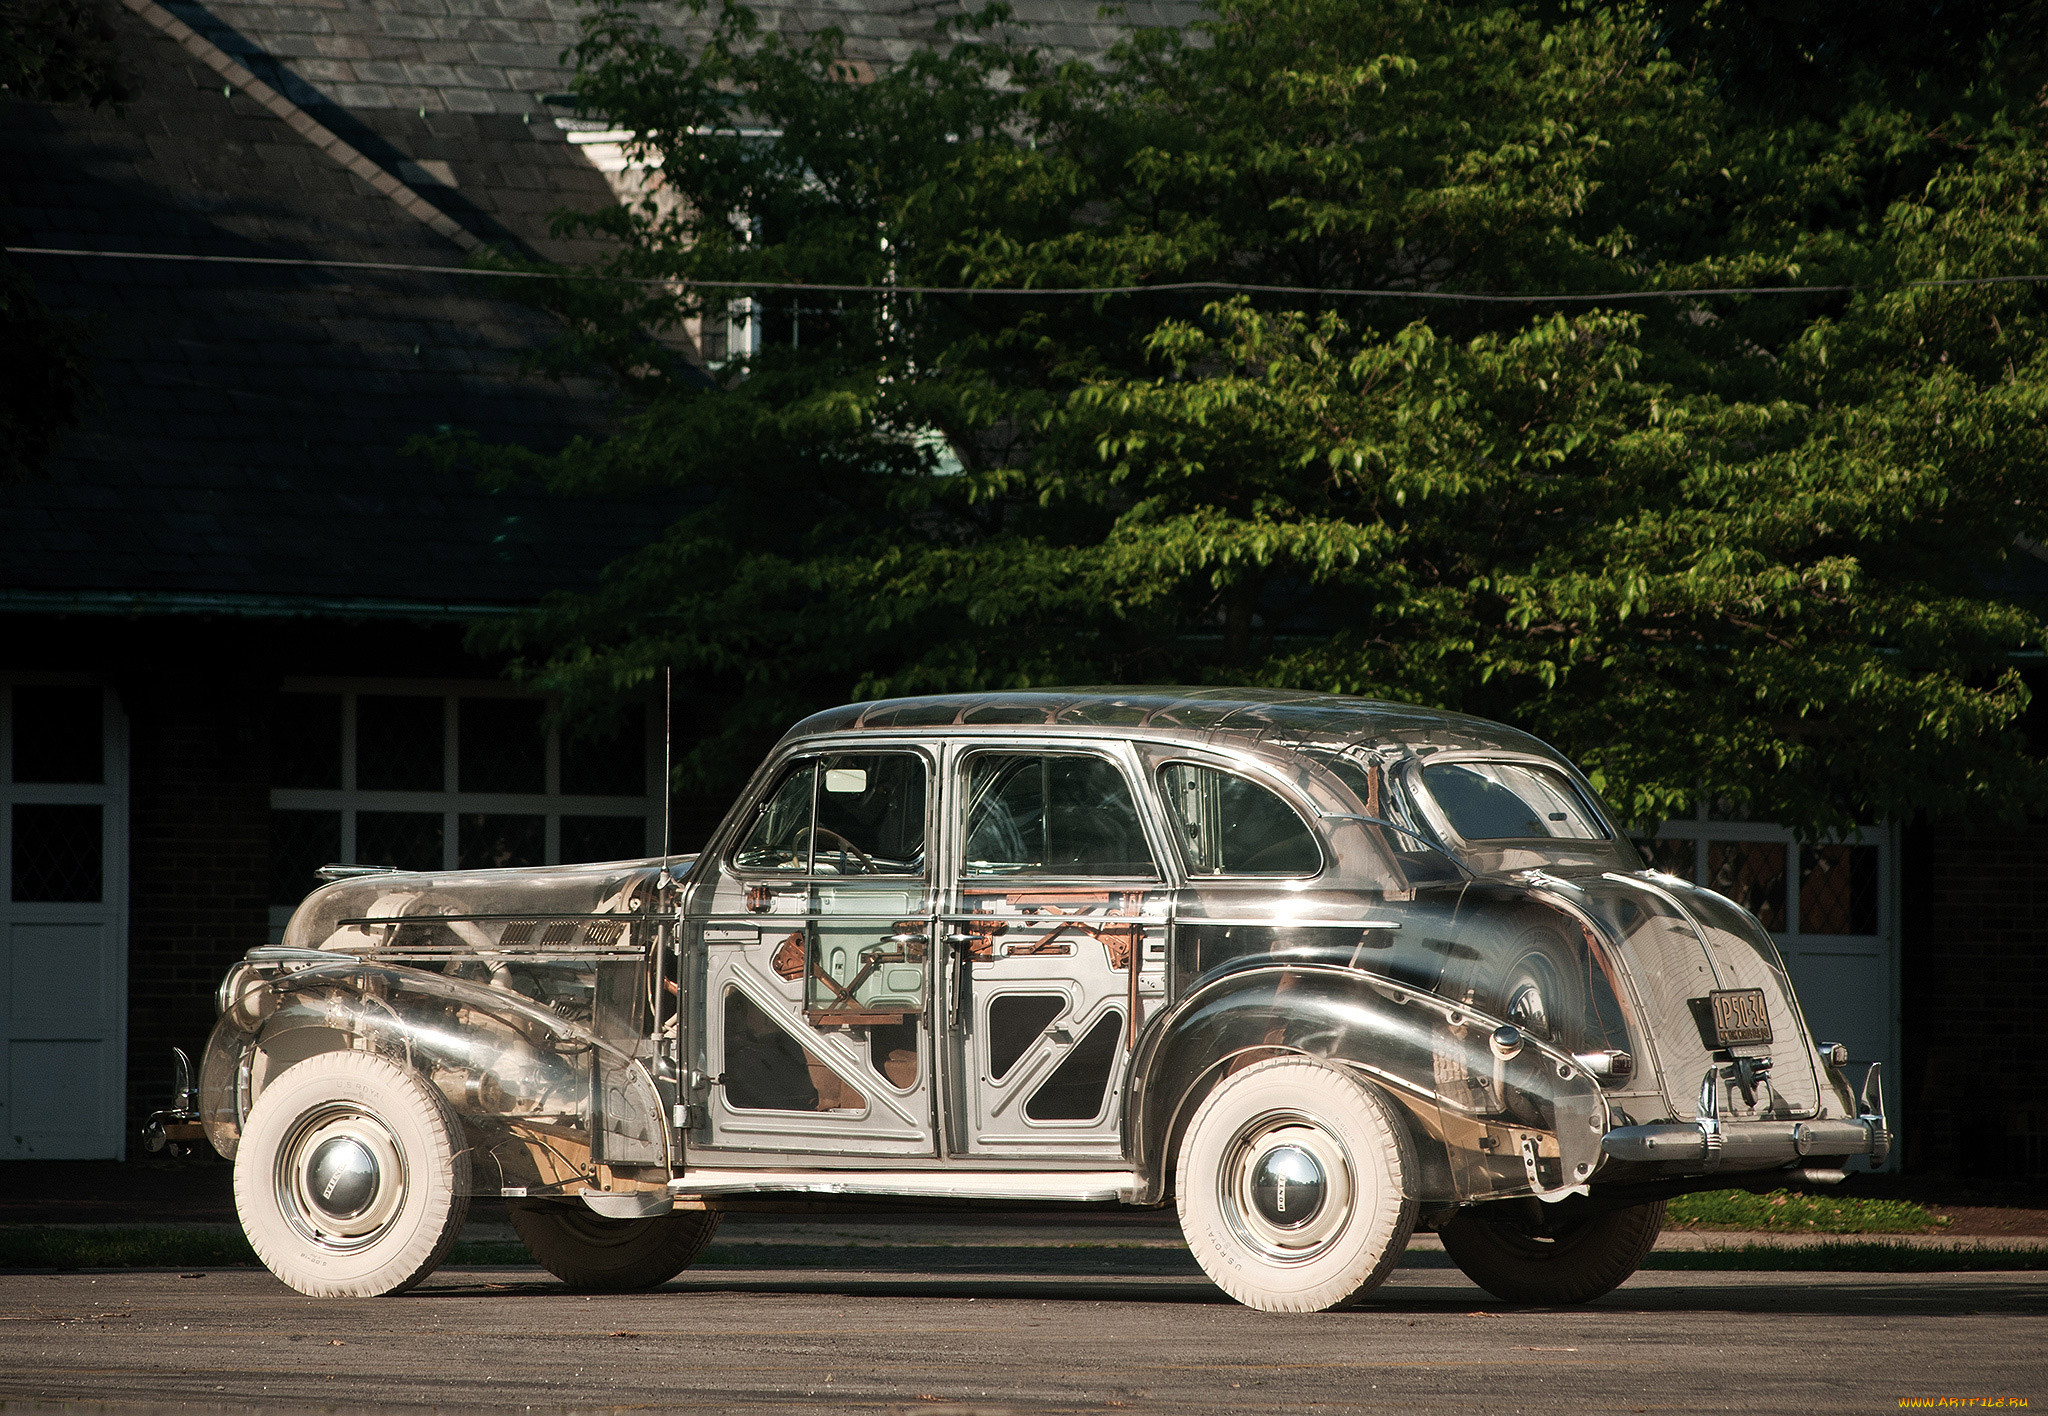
1711,1143
178,1128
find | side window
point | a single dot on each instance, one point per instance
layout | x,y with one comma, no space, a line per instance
1051,814
870,815
1231,826
846,814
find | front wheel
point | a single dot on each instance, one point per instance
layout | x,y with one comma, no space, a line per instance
1292,1187
1575,1262
598,1255
351,1179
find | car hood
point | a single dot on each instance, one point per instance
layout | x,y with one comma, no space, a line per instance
326,918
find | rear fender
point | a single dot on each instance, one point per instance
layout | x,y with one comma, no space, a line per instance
543,1099
1486,1127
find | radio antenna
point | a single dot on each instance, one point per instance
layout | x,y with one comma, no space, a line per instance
668,736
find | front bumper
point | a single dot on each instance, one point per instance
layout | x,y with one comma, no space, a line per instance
1711,1144
177,1128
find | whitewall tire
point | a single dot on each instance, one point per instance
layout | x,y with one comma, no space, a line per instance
1292,1186
351,1179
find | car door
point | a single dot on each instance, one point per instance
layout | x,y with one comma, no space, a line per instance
1056,929
810,962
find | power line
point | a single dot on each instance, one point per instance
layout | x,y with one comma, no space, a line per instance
1180,286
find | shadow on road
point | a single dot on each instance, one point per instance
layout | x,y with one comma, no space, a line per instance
1409,1291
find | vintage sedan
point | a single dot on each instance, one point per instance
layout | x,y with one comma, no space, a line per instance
1315,970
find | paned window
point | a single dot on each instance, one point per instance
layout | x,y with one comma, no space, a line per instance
442,777
58,854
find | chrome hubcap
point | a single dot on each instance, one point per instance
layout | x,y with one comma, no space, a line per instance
1287,1188
341,1178
1526,1008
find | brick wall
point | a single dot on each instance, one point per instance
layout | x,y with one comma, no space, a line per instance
1974,985
198,859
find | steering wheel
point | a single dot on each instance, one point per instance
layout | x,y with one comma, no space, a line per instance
867,864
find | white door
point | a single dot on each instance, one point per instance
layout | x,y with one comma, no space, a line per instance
63,926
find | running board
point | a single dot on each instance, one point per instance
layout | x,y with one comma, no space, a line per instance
914,1184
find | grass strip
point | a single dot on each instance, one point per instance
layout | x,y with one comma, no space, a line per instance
35,1247
1849,1258
1786,1211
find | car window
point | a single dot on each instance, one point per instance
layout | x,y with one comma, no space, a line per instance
870,814
780,838
1052,814
1229,825
845,814
1499,801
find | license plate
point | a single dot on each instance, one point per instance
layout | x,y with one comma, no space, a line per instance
1739,1016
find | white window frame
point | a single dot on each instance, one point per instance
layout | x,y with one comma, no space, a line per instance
451,803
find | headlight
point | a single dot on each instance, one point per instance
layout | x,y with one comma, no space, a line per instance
245,996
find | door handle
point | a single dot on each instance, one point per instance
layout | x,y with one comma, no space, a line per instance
960,979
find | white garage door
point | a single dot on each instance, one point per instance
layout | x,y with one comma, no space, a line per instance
1834,912
63,922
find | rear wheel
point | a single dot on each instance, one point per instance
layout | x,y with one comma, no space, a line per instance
351,1178
598,1255
1540,989
1292,1186
1502,1251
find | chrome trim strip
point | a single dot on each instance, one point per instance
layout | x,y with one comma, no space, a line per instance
1276,923
937,1184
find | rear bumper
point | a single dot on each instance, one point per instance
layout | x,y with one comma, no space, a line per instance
1711,1143
1751,1145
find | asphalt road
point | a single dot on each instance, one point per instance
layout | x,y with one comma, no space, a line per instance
1010,1331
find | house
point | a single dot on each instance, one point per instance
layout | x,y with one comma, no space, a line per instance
232,619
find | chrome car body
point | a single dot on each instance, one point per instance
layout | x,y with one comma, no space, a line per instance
1002,946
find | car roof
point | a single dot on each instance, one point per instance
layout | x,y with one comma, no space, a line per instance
1248,718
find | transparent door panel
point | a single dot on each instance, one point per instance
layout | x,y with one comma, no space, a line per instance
1058,925
813,937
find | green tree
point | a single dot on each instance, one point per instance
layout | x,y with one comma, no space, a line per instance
1766,547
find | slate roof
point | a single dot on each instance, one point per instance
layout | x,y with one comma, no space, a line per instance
500,56
249,447
253,420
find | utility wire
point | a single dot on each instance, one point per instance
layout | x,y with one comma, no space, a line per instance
1218,286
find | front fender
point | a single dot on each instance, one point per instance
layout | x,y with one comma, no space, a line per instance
1486,1127
540,1095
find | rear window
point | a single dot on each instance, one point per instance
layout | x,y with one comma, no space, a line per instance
1511,801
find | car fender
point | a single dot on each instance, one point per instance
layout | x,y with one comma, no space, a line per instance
501,1060
1486,1126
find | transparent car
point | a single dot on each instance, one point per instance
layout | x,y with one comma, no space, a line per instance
1315,970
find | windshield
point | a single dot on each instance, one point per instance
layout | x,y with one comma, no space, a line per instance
1511,801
